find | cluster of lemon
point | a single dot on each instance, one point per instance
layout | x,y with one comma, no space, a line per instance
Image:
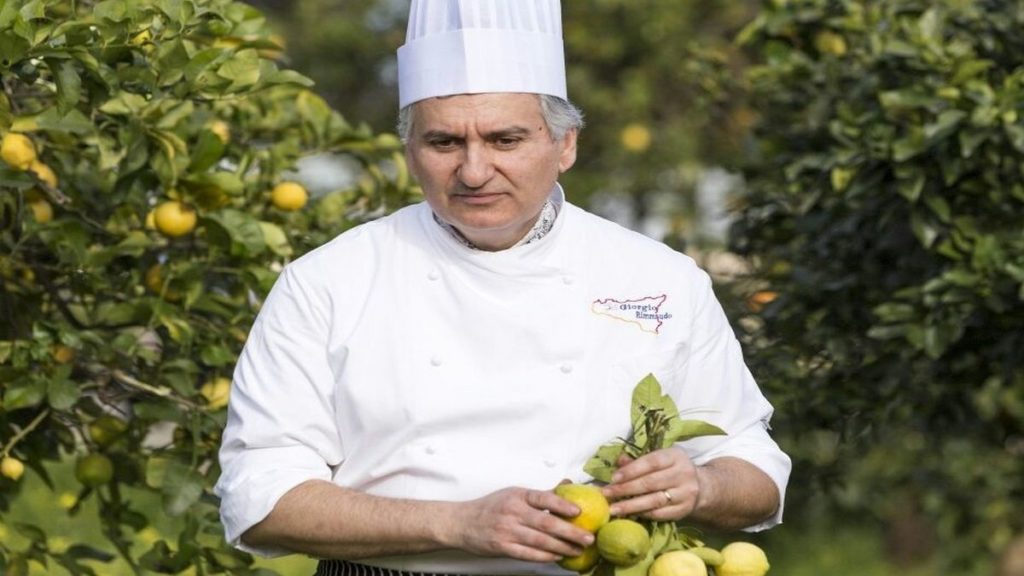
624,543
19,152
172,218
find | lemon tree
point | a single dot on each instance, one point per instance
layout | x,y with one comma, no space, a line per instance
140,142
883,208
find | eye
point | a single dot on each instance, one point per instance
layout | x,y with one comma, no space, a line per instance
507,142
443,144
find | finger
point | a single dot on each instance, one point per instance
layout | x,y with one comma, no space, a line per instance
655,481
552,534
548,501
641,504
563,530
668,513
647,463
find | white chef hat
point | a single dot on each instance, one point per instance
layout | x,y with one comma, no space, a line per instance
476,46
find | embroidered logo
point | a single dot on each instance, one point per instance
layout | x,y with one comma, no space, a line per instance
645,312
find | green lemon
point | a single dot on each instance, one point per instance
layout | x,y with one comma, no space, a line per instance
106,429
623,542
94,470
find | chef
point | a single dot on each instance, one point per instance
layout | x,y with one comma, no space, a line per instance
412,390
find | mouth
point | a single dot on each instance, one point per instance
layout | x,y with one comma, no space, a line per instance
477,198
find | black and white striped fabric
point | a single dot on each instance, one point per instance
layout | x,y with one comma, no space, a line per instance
346,568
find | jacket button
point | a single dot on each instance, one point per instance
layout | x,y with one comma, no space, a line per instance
567,280
550,463
566,368
435,361
433,275
430,450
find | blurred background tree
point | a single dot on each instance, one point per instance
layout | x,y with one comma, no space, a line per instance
647,146
883,211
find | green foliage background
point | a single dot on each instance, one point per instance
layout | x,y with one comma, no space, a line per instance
884,205
120,98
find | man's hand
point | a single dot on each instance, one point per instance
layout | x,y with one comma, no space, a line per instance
519,523
726,493
662,485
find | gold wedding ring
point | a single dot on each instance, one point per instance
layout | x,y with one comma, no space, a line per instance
668,497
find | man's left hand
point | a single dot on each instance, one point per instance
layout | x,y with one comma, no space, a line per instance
662,485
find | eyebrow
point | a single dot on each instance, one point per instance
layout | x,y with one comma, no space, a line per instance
490,136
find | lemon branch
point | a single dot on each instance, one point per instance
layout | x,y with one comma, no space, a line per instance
25,431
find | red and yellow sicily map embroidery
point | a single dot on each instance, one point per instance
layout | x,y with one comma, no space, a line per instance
644,312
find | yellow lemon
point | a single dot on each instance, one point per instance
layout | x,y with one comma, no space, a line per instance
289,196
828,42
635,137
142,38
17,151
623,542
62,354
94,470
42,211
594,509
221,129
216,392
678,563
11,467
44,173
174,219
582,563
157,284
743,559
67,500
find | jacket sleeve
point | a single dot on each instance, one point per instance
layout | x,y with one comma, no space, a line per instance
719,388
281,429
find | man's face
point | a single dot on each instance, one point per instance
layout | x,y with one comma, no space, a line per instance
487,163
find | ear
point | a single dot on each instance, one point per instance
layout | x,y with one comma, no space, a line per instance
567,157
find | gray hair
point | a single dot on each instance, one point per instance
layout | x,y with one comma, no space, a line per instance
559,114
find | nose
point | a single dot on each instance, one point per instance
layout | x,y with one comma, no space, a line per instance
476,168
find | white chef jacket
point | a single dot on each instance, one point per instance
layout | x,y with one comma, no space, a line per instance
396,361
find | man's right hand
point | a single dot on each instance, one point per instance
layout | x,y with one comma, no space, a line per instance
519,523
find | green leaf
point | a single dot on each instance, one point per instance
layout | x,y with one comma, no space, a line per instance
12,48
646,396
69,84
924,229
217,355
682,430
24,394
62,393
85,552
124,103
288,77
237,232
207,151
181,492
276,239
243,70
603,463
945,125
